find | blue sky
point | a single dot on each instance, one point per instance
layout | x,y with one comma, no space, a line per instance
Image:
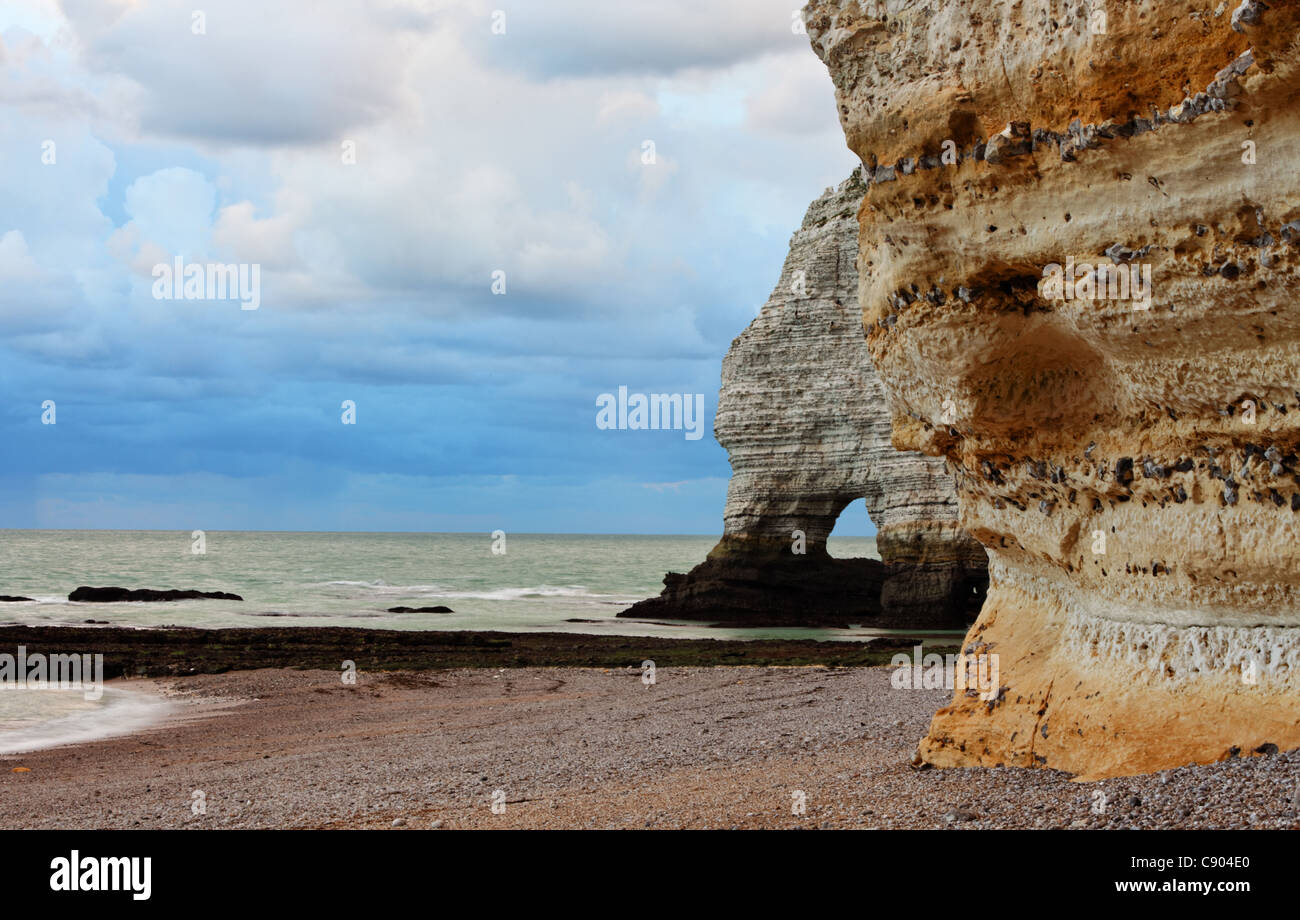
475,152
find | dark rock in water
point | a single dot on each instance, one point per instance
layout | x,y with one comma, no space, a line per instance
96,622
771,588
117,595
6,598
750,585
420,610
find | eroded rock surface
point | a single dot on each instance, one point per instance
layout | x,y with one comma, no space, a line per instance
806,425
1131,468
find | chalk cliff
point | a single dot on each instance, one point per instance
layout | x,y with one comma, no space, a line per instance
806,425
1131,467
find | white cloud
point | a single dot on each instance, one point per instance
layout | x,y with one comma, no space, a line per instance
574,38
260,73
794,97
173,208
16,263
466,163
630,104
243,237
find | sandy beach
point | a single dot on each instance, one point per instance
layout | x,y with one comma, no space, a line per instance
703,747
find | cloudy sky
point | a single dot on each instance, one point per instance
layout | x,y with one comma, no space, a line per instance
380,160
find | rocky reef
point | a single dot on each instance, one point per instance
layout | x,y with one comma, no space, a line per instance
1079,254
806,425
114,595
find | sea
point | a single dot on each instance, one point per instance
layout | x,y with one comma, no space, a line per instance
508,582
504,582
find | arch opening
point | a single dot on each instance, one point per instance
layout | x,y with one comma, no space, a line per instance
853,535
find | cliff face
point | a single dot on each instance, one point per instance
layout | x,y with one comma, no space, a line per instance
806,425
1131,465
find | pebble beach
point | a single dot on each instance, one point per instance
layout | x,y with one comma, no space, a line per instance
701,747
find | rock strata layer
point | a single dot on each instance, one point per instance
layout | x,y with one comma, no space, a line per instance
1079,257
806,426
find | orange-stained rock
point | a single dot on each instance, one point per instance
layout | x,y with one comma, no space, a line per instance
1132,467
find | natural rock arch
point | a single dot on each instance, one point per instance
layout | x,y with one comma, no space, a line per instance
806,423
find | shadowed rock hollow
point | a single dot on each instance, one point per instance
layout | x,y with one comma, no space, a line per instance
1131,468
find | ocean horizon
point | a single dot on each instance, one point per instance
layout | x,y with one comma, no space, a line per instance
505,582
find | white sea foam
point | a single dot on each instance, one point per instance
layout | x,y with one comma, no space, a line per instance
514,594
34,719
381,588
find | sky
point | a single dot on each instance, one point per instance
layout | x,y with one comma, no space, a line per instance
467,222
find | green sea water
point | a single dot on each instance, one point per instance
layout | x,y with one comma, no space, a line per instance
539,583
